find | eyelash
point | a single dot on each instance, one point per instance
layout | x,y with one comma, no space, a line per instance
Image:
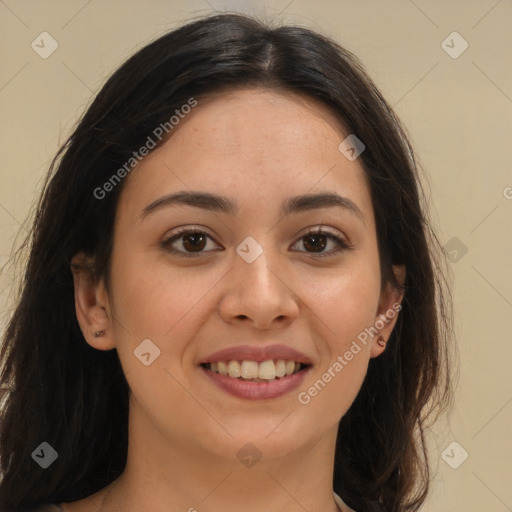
342,245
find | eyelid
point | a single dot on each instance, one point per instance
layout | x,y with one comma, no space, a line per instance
325,230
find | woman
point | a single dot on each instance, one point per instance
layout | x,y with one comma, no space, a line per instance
233,297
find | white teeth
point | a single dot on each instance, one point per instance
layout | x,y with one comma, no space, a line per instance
222,367
249,370
280,368
252,370
267,370
234,369
290,367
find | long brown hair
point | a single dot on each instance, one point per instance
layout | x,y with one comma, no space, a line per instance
63,392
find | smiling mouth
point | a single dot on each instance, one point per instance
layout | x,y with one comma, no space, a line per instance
254,371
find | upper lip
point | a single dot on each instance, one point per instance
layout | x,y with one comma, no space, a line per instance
257,353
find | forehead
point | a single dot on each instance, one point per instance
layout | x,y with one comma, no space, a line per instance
272,116
258,145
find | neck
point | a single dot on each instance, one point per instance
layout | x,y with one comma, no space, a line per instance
163,474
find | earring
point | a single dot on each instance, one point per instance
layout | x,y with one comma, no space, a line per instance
381,341
97,334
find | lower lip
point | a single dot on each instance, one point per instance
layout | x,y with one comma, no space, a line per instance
257,390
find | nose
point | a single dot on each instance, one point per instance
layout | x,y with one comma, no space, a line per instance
259,294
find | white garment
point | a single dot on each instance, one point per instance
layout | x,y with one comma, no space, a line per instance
341,504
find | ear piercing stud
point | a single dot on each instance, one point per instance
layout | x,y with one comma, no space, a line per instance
97,334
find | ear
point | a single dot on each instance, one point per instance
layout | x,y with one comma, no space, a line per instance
91,304
390,304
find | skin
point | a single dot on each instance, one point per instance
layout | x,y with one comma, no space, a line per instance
258,147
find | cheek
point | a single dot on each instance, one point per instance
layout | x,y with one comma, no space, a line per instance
345,301
345,307
152,300
331,393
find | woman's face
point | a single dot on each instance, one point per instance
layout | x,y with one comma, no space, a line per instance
252,283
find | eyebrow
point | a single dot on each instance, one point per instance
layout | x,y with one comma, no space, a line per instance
214,202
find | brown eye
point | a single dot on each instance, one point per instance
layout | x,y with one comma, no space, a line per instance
315,242
193,243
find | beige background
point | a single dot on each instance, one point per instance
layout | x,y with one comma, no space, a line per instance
459,115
